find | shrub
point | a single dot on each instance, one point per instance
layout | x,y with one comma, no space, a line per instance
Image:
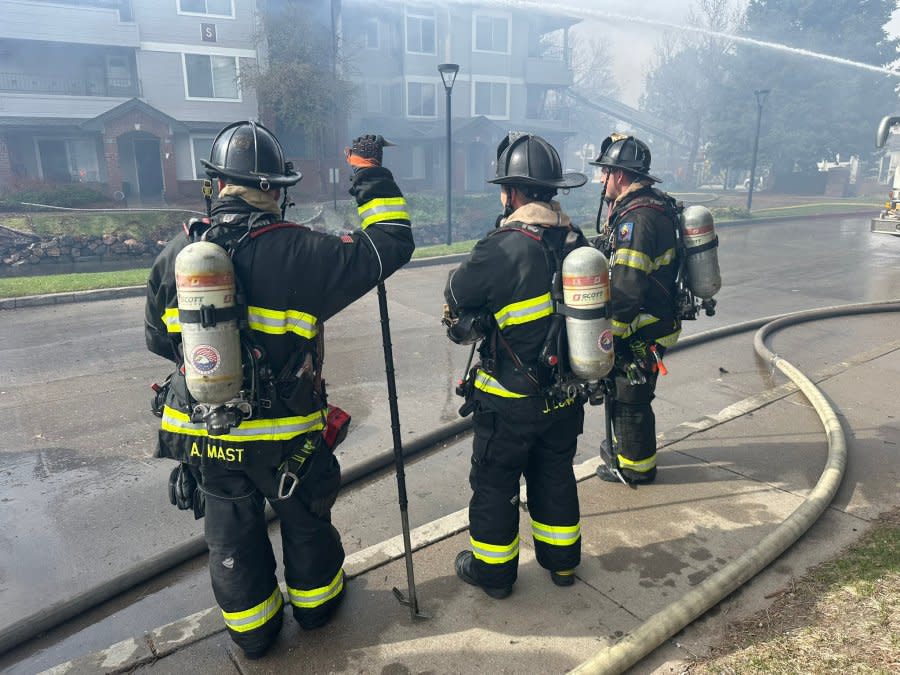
70,195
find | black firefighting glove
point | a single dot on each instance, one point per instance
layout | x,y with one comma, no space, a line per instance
182,487
366,151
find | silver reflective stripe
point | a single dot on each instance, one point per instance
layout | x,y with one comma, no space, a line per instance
277,321
521,315
556,535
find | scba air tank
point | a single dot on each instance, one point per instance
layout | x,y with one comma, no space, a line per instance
698,233
211,344
585,283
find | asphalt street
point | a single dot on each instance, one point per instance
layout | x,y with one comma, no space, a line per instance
83,498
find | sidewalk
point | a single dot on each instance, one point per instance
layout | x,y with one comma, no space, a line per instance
725,481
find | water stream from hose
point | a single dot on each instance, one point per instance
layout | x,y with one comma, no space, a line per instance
584,12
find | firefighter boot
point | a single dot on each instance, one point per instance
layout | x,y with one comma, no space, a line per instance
563,577
463,565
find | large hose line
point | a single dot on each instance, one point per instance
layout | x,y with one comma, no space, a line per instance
53,615
673,618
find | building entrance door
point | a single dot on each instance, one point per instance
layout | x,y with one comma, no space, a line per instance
149,168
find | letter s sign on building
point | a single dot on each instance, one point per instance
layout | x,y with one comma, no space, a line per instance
208,32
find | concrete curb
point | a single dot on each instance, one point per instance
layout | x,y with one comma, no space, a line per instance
73,296
137,291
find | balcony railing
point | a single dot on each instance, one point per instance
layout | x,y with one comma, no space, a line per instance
124,6
65,86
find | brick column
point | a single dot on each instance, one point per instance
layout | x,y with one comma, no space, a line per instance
170,176
6,174
111,153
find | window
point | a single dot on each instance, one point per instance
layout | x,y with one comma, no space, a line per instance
69,160
491,99
491,34
420,34
211,77
222,8
412,163
420,99
370,34
201,146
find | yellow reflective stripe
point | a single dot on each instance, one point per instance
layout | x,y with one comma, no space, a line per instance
490,385
254,617
624,330
670,339
275,429
170,318
556,535
619,328
664,259
524,311
631,258
317,596
494,554
281,322
641,261
641,466
387,208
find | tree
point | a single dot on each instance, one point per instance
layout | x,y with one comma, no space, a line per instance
592,79
686,72
299,84
817,109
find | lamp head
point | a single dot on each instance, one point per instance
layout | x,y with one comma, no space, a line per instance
448,73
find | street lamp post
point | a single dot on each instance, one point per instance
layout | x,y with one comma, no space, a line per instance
448,73
761,95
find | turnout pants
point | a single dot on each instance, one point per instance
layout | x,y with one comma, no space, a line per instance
542,449
634,425
242,564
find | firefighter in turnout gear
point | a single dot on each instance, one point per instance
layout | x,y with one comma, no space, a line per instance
518,427
290,280
639,238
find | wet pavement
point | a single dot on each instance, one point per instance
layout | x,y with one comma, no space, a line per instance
84,500
726,480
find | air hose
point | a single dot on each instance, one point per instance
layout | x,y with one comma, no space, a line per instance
673,618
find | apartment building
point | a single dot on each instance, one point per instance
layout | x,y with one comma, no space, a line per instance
126,94
514,66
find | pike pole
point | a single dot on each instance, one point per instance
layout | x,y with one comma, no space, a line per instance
410,600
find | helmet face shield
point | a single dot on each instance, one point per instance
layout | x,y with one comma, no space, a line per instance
529,160
627,153
248,153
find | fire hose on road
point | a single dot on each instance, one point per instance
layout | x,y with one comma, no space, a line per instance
646,637
671,619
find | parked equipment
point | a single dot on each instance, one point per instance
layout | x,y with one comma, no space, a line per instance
888,220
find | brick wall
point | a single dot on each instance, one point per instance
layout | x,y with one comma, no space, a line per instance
6,174
136,120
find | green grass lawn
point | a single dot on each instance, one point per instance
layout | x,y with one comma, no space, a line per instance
842,617
16,287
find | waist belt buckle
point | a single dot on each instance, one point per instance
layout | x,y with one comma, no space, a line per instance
282,483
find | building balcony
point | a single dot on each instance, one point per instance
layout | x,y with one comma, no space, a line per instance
548,70
19,83
95,22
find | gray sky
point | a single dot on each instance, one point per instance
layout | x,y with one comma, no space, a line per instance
633,44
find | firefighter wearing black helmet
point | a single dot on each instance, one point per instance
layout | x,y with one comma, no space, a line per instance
290,281
639,238
518,429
